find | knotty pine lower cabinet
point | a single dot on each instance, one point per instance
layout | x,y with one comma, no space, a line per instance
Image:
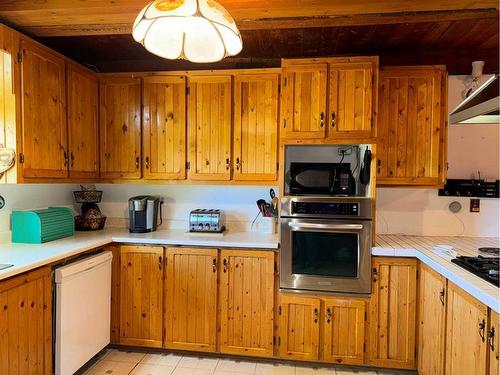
191,299
431,321
392,313
466,334
494,344
246,302
141,296
298,327
26,324
310,325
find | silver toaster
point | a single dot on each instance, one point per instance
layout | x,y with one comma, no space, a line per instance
203,220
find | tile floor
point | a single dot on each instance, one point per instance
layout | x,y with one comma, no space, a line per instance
116,362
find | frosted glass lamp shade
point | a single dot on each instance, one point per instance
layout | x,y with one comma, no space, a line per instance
200,31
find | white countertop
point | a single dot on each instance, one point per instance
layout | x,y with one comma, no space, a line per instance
26,257
421,248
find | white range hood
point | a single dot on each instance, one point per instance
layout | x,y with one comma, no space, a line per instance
481,107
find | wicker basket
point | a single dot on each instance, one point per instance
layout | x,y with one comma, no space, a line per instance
85,224
88,196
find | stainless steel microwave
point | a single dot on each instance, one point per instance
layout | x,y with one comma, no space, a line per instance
326,244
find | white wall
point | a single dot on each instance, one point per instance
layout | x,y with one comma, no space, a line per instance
471,148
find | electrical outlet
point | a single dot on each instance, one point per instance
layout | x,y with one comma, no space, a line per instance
345,151
475,205
2,202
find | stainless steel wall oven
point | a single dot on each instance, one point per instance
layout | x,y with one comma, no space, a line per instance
326,244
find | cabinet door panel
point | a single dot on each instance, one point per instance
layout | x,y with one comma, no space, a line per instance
494,343
299,327
247,302
465,346
351,100
7,109
431,322
83,125
44,113
304,101
120,127
392,321
256,101
191,299
26,324
210,128
164,134
141,296
411,126
344,331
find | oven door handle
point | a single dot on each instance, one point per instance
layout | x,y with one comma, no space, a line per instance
326,226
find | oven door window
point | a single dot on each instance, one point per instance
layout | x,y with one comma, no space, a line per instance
330,254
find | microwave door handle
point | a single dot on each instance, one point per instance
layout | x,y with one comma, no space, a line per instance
326,226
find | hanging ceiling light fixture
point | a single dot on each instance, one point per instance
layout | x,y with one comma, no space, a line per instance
200,31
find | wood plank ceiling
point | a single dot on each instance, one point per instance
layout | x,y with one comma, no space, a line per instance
402,32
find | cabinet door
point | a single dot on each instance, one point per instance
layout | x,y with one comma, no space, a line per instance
247,302
431,321
298,327
304,101
351,100
344,331
191,299
26,324
141,296
44,135
494,343
256,101
83,123
392,321
164,134
411,124
120,127
8,108
210,128
466,333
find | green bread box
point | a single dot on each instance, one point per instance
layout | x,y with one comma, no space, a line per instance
41,226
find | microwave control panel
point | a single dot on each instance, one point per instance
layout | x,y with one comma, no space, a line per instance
315,208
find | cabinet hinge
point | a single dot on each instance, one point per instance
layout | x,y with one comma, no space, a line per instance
372,122
188,90
21,158
188,165
364,347
279,310
19,57
164,333
277,166
415,352
279,88
366,316
279,341
417,274
274,341
285,82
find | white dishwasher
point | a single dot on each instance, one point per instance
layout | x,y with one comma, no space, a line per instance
83,311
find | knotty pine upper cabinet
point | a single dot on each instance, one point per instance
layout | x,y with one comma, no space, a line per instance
304,101
412,126
255,140
352,96
494,343
83,122
44,135
164,128
26,324
120,128
246,302
141,296
466,334
344,330
191,302
298,327
210,117
431,321
392,317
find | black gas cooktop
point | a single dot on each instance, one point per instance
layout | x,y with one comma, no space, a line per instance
485,267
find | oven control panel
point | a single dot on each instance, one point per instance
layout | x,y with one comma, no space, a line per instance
316,208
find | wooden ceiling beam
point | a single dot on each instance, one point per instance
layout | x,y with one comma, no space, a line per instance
282,23
100,17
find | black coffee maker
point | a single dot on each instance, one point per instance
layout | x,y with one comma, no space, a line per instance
143,213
